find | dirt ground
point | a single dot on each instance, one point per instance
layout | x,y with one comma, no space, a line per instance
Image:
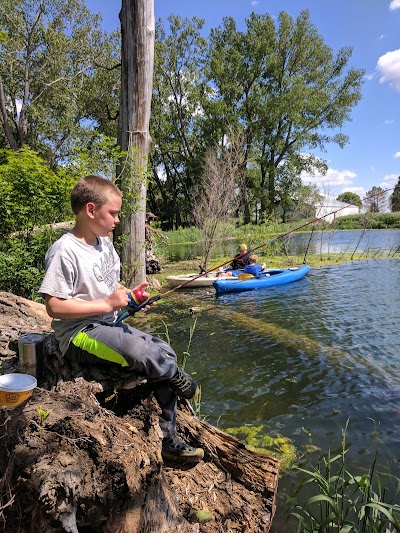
76,458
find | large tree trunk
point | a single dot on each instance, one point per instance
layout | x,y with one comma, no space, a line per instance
271,191
94,462
4,119
137,51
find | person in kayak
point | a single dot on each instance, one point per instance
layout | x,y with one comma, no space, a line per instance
241,259
254,267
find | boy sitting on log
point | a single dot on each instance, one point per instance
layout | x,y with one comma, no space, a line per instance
83,295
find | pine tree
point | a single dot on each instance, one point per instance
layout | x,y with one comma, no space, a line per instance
395,197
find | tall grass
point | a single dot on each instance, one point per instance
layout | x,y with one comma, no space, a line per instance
182,235
196,401
343,502
263,232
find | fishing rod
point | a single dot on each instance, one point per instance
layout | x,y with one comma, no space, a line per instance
136,306
238,256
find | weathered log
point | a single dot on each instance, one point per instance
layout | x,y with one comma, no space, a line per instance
58,369
68,463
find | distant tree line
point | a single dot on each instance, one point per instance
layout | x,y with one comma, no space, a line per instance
276,85
376,200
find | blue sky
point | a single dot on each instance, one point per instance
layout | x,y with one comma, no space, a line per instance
372,29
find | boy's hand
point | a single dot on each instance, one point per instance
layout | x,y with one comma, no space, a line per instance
118,298
146,295
141,287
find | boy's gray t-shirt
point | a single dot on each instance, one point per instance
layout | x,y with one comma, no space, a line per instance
77,270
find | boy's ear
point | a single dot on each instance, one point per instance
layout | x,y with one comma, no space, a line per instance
90,207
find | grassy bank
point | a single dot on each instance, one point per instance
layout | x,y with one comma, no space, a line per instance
264,232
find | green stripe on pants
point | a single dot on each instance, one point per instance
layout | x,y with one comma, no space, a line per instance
83,341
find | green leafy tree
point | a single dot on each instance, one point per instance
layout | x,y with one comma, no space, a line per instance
31,194
177,119
52,56
349,197
304,200
395,197
237,63
100,156
286,88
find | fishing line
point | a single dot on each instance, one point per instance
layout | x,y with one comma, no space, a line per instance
238,256
308,244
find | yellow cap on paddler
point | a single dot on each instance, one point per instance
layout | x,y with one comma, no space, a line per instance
242,247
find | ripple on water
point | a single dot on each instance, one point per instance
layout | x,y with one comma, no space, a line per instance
311,355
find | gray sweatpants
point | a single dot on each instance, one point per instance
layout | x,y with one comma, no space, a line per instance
135,351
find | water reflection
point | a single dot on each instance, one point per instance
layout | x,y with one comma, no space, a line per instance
371,241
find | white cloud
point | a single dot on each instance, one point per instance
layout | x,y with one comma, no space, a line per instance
331,178
389,181
397,155
254,3
369,77
394,4
388,121
357,190
162,175
389,67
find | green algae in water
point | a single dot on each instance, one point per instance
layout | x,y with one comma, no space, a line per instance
280,447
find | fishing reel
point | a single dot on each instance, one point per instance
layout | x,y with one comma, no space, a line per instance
138,302
135,304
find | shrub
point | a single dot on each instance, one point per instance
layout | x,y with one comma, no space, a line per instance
31,194
22,262
368,221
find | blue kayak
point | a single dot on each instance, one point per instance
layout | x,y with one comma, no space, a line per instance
267,278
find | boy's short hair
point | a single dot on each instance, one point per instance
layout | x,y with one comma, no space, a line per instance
253,258
92,189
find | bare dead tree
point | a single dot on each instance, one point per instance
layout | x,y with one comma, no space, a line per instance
137,51
376,200
217,196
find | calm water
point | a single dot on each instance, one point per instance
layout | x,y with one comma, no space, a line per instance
370,241
373,242
302,359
